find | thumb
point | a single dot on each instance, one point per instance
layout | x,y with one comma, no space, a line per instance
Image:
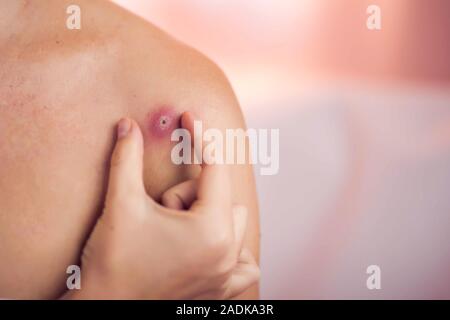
126,169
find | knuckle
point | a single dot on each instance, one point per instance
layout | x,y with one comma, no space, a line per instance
166,197
169,199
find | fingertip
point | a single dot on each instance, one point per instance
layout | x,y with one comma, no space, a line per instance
126,164
135,129
127,127
123,128
187,121
135,137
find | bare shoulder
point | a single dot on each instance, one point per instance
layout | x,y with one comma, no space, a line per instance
160,70
131,55
163,70
168,71
64,90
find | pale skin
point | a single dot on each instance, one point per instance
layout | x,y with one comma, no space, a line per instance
62,93
203,257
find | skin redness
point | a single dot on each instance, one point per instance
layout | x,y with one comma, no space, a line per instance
162,122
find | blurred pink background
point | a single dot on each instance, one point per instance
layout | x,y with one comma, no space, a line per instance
364,119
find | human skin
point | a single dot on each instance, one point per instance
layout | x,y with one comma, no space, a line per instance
61,93
203,256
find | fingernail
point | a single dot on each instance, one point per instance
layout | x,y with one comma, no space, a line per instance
123,128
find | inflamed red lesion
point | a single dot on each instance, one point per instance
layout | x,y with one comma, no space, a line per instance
162,122
160,173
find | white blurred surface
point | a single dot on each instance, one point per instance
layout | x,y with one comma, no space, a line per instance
364,179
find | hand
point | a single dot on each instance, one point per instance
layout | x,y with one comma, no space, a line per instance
140,249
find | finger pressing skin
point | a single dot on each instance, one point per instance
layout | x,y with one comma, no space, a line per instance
214,186
126,171
181,196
